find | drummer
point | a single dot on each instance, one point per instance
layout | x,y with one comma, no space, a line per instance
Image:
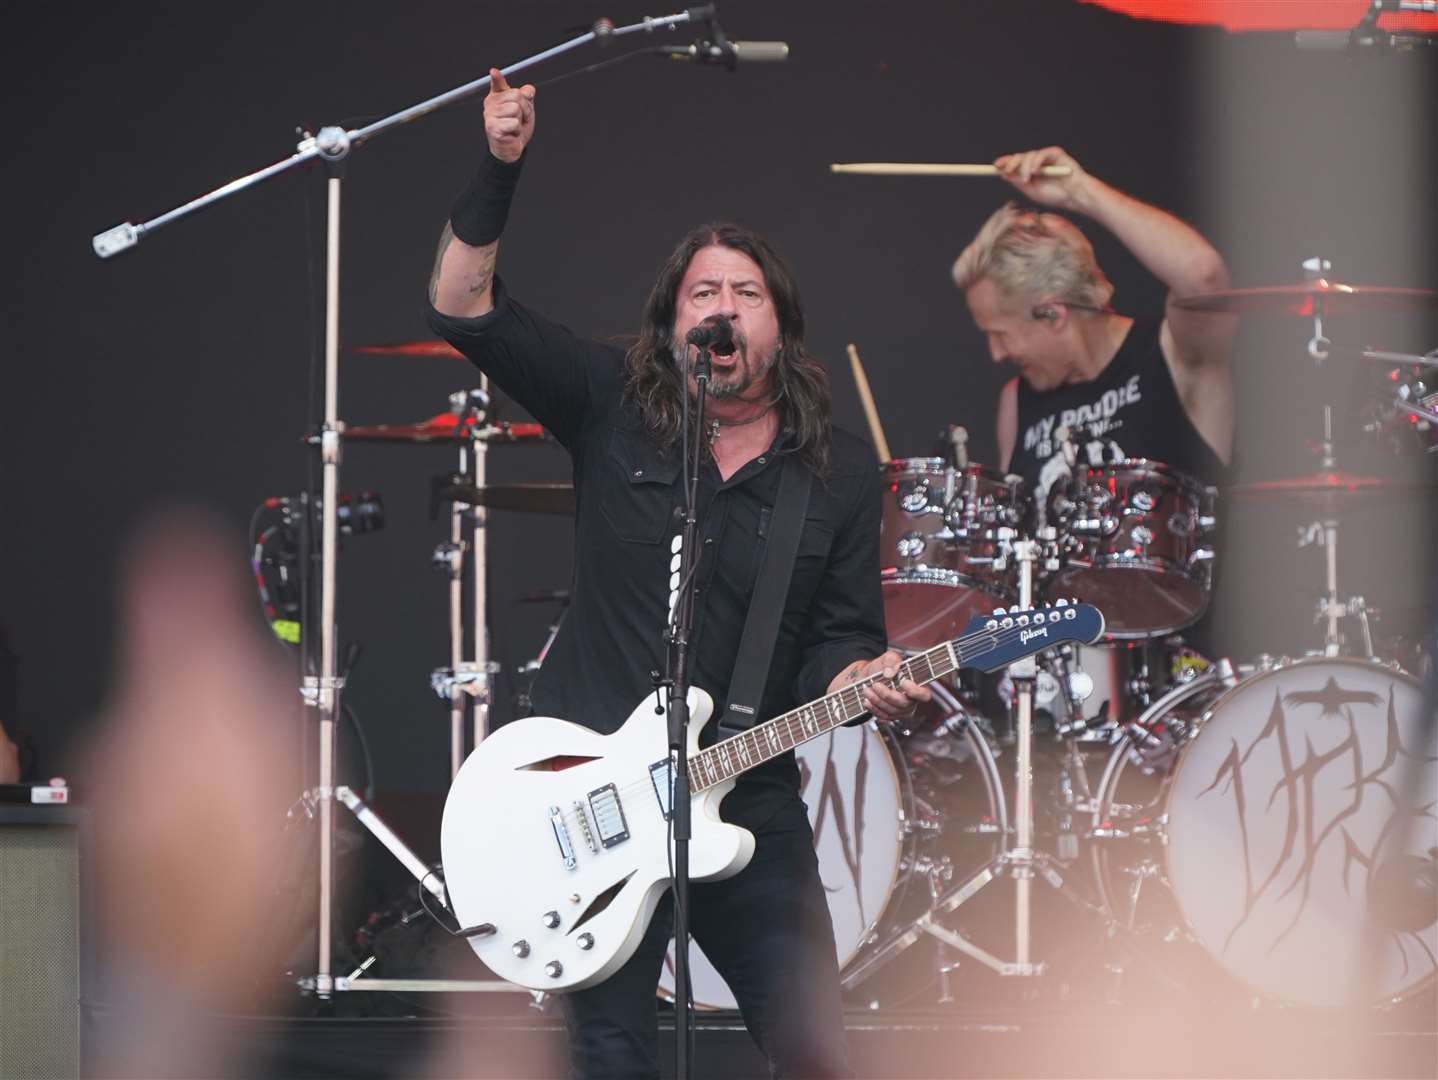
1094,386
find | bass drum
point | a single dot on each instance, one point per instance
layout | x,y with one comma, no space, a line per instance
1259,815
878,802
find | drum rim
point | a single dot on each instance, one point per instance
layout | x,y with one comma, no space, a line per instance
932,575
1244,676
1185,479
942,466
1051,584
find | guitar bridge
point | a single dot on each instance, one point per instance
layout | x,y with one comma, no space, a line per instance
561,836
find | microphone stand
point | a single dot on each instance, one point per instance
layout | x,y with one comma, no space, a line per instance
331,146
678,680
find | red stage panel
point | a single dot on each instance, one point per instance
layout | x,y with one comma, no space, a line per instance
1265,14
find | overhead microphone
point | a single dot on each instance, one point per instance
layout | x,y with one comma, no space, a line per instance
1356,40
719,50
1368,36
730,53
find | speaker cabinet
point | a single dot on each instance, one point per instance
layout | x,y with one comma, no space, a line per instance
45,946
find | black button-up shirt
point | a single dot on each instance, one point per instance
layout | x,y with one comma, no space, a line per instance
631,506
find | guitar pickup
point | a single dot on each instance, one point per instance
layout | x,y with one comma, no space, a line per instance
608,815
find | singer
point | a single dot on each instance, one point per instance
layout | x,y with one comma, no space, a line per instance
619,414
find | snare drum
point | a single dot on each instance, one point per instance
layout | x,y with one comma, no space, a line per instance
1134,541
939,542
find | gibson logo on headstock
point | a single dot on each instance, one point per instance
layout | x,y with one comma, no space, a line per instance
1025,635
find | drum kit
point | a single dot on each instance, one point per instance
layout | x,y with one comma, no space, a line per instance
1244,822
1262,829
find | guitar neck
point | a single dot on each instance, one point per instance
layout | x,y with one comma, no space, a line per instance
747,750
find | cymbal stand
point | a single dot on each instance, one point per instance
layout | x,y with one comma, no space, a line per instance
1017,857
467,680
1324,533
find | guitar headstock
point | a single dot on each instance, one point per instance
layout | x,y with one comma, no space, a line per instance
1012,634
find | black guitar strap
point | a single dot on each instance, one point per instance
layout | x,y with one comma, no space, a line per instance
766,606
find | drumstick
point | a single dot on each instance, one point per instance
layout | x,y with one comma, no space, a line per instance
929,168
876,429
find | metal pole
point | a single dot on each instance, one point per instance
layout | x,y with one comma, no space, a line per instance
332,143
479,623
1023,674
456,622
324,694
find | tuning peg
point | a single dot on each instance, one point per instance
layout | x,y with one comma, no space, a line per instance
1061,603
1000,611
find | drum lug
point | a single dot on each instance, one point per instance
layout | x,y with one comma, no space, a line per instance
922,827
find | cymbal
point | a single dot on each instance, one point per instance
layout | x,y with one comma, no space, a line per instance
1331,490
446,428
412,348
1428,360
535,498
1302,299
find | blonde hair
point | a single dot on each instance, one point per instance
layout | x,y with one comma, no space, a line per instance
1029,253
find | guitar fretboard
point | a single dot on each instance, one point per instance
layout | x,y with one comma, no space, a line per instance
740,753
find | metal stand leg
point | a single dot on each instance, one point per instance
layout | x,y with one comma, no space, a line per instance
1018,858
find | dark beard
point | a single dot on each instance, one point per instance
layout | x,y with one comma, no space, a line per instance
736,383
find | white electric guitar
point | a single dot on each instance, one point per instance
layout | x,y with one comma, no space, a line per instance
556,838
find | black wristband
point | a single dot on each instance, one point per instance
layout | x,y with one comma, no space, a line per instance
478,215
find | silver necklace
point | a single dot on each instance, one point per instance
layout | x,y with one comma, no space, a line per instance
715,423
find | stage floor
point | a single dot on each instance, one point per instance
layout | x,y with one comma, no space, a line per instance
505,1036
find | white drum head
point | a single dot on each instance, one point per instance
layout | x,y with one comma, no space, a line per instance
1282,811
856,807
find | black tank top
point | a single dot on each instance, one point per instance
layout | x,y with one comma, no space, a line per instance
1132,410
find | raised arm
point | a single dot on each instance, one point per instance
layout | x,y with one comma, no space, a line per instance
1173,251
462,283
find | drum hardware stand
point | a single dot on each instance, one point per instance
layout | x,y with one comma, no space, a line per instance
1019,859
1324,533
331,146
473,679
1315,269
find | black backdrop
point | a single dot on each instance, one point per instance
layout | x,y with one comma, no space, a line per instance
181,371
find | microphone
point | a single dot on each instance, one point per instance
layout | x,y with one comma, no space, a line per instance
716,333
1355,40
718,49
728,53
1368,35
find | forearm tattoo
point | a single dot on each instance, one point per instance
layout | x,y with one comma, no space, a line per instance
483,271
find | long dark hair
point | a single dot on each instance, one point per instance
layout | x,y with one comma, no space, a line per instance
800,381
